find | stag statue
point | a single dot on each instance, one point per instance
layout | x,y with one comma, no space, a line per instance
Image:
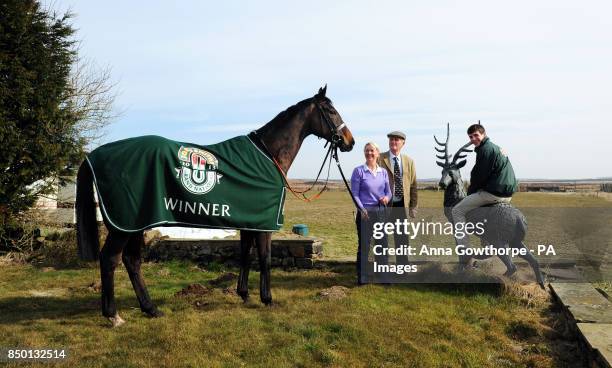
504,225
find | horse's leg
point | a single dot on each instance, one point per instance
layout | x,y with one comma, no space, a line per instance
481,257
132,261
264,242
533,262
110,256
464,260
510,267
247,240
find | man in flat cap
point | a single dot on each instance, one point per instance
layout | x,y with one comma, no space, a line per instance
402,179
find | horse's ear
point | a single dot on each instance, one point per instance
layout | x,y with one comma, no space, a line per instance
322,91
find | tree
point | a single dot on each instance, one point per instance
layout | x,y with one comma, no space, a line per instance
51,104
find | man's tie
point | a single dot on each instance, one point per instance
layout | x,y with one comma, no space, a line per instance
398,190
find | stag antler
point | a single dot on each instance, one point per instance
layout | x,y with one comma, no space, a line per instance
445,150
459,155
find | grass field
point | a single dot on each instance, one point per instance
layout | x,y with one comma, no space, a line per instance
375,325
333,217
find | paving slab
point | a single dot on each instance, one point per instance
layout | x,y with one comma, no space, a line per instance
585,304
561,274
599,338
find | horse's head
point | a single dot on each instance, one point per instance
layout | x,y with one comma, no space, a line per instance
328,123
450,169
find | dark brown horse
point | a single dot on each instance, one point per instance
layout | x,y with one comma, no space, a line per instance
281,138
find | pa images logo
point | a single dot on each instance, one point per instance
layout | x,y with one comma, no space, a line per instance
198,171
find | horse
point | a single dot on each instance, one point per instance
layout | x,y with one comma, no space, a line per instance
280,139
504,224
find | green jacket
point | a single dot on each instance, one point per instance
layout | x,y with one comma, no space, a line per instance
493,171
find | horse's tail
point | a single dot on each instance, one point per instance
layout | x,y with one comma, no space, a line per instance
86,223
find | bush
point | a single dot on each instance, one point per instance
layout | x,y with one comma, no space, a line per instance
17,235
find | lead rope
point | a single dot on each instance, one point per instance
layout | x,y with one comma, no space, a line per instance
335,156
302,193
297,193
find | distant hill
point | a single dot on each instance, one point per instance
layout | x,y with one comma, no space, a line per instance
526,185
589,180
606,179
544,180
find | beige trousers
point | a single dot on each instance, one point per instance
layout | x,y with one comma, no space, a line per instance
474,200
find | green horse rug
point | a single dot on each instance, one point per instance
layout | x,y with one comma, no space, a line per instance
152,181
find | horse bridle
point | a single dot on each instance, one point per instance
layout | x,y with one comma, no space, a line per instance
335,136
333,148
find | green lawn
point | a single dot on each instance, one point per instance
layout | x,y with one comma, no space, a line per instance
419,326
404,325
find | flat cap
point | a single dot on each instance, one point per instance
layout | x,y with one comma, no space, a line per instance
397,134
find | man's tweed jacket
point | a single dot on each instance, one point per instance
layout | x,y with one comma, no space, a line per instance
408,177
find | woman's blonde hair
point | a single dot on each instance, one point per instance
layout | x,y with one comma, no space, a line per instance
373,145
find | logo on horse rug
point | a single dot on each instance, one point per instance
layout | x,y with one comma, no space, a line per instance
198,172
151,181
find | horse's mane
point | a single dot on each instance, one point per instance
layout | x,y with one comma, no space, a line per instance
291,110
288,113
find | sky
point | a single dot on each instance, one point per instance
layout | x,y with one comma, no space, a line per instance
537,74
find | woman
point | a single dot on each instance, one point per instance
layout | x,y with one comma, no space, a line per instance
370,186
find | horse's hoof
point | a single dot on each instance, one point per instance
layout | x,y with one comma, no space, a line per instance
116,321
542,286
267,302
245,296
155,313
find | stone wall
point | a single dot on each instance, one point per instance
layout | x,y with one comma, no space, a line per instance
300,253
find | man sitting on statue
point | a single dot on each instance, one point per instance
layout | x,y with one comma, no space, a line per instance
492,178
